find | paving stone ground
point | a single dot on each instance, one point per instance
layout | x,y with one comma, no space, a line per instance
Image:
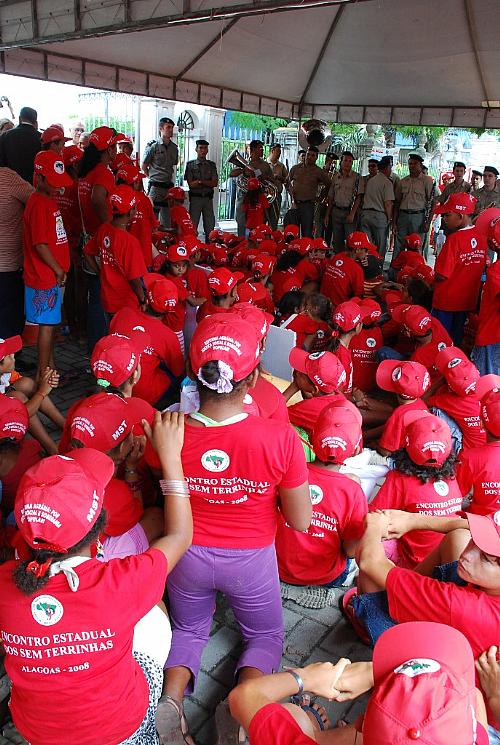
311,635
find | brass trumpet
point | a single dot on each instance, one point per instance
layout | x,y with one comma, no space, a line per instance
237,161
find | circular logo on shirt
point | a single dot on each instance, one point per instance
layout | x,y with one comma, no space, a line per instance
442,488
215,460
454,362
46,610
473,243
416,667
181,251
339,262
370,342
106,241
59,166
441,346
316,493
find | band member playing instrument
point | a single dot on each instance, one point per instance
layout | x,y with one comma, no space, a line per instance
302,186
258,168
330,167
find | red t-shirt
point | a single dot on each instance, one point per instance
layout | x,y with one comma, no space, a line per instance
209,309
413,597
392,436
270,400
462,261
488,331
101,175
465,411
407,258
175,319
274,725
478,469
345,357
363,347
181,220
43,224
281,279
233,473
426,354
75,649
121,260
197,282
342,280
67,201
143,224
402,492
307,270
164,347
305,413
254,213
315,557
304,325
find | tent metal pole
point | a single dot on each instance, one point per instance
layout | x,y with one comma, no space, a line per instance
207,48
469,14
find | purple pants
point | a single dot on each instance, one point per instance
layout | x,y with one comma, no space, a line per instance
249,580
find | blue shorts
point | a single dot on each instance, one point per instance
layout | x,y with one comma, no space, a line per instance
43,306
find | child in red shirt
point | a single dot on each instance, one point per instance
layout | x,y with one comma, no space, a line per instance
179,216
478,467
410,255
311,325
365,345
122,267
255,205
16,453
427,333
46,253
320,555
224,292
144,220
486,351
423,481
175,267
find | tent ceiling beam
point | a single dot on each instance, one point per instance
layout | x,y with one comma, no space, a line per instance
207,48
471,26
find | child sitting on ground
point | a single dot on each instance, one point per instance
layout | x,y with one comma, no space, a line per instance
311,325
36,397
364,346
320,555
223,285
180,218
423,481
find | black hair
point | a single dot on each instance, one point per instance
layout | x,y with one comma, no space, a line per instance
322,304
459,164
9,445
27,114
425,474
334,343
202,142
91,158
217,300
28,582
288,260
420,293
373,160
289,303
252,196
255,144
301,152
166,120
211,374
348,154
313,149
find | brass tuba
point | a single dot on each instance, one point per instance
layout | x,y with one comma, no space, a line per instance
316,133
237,161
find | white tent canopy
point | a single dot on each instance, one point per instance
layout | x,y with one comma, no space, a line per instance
362,61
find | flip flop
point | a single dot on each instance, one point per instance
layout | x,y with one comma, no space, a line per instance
345,605
229,731
171,723
318,712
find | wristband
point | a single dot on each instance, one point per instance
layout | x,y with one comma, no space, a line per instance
298,680
174,487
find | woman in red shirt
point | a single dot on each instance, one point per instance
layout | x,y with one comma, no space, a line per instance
237,467
71,620
255,205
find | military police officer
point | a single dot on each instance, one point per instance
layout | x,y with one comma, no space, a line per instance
159,163
202,177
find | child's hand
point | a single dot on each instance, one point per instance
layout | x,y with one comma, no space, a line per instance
399,522
355,680
167,433
488,669
61,277
54,378
47,380
377,522
321,678
137,452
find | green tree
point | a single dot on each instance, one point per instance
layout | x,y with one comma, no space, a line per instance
255,122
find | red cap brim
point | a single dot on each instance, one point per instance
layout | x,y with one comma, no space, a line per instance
12,345
484,533
297,359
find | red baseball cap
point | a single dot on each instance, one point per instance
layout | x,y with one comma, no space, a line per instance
486,219
216,235
126,140
460,203
358,239
413,240
236,346
162,294
319,244
219,255
370,310
322,368
347,315
488,390
50,165
115,357
221,280
54,133
263,263
59,499
301,245
101,421
264,229
129,173
267,246
252,292
176,193
253,184
292,229
277,235
406,378
417,320
193,244
71,155
10,346
123,510
422,271
121,159
123,199
336,433
485,532
14,419
460,373
427,439
104,137
178,252
256,317
424,687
